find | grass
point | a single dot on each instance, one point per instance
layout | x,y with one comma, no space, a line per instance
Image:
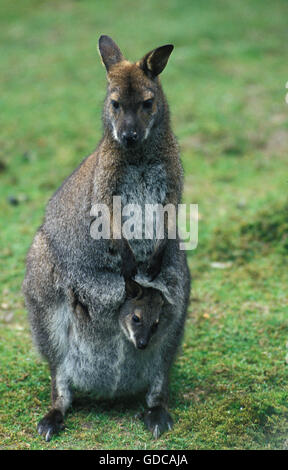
226,86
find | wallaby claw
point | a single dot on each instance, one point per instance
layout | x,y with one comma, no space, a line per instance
129,270
51,424
158,420
139,415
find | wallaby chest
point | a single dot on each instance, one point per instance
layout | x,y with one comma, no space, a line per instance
142,185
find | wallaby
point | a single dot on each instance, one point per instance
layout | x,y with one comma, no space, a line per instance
82,340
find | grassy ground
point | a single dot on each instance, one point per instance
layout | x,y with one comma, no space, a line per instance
226,86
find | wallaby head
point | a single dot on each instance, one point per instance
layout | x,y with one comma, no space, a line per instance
135,103
140,314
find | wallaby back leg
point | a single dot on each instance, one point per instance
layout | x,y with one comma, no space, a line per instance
61,398
157,419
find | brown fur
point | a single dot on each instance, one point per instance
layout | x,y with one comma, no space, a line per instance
124,77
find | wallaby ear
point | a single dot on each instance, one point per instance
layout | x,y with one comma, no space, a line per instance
155,61
133,289
109,51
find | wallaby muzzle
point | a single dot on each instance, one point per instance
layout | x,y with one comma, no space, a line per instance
129,138
143,340
142,344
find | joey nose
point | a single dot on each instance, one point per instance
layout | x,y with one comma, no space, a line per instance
141,344
129,138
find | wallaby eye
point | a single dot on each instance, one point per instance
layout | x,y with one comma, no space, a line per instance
147,104
136,319
115,104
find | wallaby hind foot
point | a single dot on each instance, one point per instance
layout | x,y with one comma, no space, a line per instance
158,420
51,424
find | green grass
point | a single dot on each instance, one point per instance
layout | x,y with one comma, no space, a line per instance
225,83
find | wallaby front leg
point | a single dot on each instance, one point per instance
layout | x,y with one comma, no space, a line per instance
156,259
157,419
61,397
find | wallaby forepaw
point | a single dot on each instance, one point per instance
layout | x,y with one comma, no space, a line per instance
152,271
129,271
51,424
158,420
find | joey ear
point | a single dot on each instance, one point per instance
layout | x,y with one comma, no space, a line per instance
109,51
155,61
133,289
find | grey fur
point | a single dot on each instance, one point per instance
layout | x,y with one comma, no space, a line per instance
91,352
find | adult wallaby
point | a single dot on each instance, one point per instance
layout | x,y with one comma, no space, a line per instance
138,160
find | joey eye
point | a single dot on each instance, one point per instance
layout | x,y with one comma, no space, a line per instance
147,104
115,104
136,319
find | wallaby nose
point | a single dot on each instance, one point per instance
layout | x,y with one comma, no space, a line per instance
129,138
141,344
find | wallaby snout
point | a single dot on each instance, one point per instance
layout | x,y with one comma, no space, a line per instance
129,138
142,344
